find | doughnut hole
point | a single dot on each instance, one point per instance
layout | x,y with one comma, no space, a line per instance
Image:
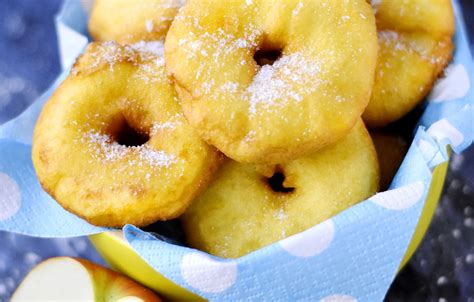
267,56
130,136
268,52
126,130
277,182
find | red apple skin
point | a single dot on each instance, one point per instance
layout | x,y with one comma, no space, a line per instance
116,285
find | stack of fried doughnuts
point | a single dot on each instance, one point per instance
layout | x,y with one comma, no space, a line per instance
284,89
415,38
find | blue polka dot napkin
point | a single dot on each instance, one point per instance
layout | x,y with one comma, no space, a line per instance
353,256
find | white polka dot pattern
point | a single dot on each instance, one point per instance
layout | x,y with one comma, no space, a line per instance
311,242
206,274
10,197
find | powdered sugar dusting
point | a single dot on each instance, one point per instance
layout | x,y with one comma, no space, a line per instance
292,78
392,37
171,124
227,42
109,53
289,78
112,53
397,41
155,158
250,136
107,150
281,215
297,10
152,60
150,47
149,25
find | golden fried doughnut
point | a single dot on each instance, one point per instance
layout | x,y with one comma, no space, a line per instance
269,81
415,38
130,21
250,206
112,146
391,149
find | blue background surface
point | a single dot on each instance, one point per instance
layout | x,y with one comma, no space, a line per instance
443,267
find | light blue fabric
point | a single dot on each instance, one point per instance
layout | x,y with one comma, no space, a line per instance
352,256
455,104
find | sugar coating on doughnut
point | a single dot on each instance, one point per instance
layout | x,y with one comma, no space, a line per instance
415,39
152,47
395,41
112,145
268,89
130,21
269,110
247,207
108,150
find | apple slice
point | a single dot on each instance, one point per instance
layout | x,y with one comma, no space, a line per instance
72,279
